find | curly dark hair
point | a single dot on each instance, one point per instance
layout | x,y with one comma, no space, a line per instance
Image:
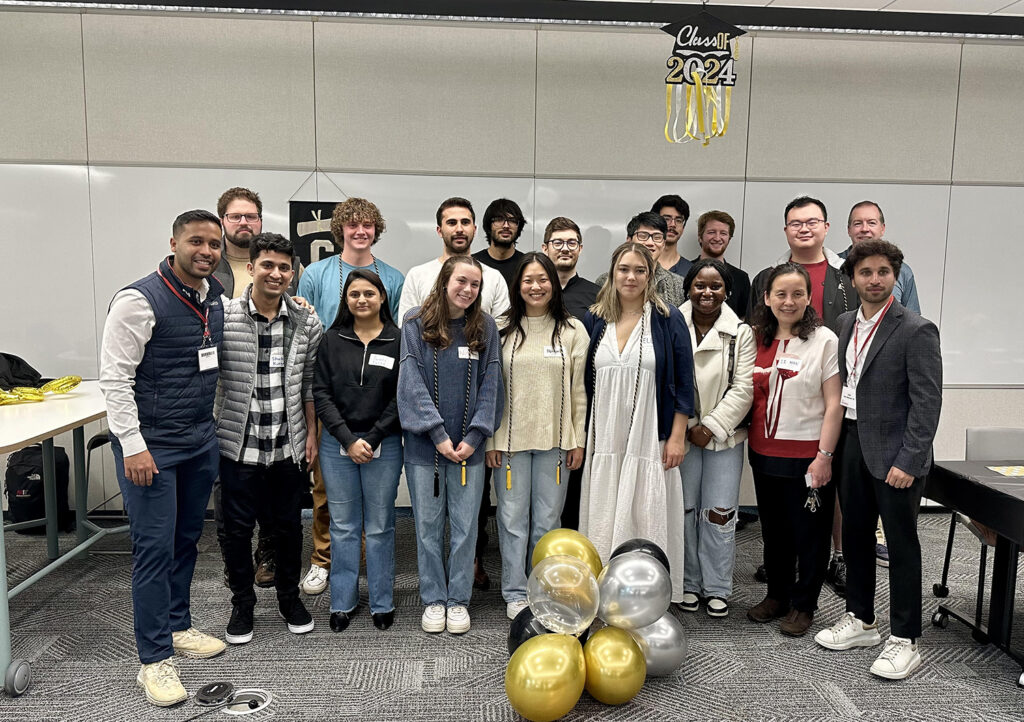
765,323
699,266
866,249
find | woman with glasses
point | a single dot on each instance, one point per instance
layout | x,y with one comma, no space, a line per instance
793,434
640,390
449,403
723,365
355,388
544,352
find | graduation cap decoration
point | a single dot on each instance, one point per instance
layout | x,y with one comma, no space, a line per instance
701,70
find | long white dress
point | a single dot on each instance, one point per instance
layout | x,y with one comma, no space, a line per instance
627,492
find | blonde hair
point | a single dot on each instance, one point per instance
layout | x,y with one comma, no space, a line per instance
607,305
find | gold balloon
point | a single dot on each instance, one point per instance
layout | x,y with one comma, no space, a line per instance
571,542
545,677
615,666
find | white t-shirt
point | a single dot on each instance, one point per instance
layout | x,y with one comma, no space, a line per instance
419,282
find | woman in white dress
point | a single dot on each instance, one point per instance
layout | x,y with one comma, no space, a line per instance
639,381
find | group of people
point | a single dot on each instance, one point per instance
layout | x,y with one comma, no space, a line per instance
619,407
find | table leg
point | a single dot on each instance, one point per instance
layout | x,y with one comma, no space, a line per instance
81,485
1004,583
50,499
5,616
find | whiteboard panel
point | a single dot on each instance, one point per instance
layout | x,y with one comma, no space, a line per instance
982,327
46,248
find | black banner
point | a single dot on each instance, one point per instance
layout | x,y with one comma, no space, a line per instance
310,224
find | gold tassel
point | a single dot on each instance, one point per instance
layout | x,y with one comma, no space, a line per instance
508,476
463,473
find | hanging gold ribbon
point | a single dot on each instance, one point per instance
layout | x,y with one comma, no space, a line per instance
708,109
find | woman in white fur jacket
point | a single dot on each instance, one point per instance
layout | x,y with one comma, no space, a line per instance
723,363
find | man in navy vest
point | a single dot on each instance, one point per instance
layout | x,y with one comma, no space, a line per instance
158,373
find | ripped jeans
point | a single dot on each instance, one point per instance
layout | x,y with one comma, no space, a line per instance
711,490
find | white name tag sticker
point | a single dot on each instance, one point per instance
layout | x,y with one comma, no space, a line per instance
379,359
552,352
277,359
849,398
788,363
208,358
465,353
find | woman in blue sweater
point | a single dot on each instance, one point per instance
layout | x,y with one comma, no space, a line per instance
449,403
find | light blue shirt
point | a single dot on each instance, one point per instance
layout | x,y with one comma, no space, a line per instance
321,286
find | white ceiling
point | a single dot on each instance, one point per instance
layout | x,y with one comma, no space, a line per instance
971,7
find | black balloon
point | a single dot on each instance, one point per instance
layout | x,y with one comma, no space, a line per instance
643,545
526,626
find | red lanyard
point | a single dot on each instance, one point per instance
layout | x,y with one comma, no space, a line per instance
856,328
204,318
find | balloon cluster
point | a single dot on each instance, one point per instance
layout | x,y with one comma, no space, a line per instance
553,655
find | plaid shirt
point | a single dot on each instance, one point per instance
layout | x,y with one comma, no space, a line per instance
266,433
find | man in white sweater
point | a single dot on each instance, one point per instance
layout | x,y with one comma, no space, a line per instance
456,225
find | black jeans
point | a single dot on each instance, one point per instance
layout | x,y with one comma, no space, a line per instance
864,498
265,542
794,537
571,510
273,493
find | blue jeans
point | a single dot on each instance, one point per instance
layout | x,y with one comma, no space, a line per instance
711,483
526,512
460,504
166,521
361,498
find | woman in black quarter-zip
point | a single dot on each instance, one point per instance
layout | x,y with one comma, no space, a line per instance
361,447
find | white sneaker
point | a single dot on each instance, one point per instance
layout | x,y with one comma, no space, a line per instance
512,609
848,632
161,684
315,580
195,644
458,620
689,603
433,618
899,658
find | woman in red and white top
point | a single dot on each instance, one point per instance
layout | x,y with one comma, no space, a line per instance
793,434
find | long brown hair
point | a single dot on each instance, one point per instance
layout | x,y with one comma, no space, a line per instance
607,305
436,318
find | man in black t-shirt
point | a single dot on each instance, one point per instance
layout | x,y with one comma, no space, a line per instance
503,223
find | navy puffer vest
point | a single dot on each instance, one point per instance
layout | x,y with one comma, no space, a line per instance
174,398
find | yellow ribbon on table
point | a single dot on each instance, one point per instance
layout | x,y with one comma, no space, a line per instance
29,395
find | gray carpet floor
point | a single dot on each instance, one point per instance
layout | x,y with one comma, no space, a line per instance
75,627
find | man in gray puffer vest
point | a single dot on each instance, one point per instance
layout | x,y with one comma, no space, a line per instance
264,411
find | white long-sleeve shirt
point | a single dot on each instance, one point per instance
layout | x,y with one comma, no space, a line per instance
419,282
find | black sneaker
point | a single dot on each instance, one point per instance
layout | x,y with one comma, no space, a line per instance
294,612
240,625
836,575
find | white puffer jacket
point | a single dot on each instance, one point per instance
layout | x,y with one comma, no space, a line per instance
718,409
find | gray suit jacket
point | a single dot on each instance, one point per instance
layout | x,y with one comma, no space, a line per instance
899,394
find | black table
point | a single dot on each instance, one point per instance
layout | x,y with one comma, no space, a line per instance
996,501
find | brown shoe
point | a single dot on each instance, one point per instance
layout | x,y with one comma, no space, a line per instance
796,623
266,570
767,610
480,579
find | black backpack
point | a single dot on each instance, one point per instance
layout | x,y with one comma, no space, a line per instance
24,481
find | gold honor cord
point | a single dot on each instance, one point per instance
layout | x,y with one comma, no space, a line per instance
26,394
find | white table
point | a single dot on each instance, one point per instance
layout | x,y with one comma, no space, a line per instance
22,425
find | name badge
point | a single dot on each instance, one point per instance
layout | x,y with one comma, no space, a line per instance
208,358
552,352
849,398
788,363
277,359
465,353
379,359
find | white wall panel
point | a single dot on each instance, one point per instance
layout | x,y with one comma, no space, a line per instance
433,99
601,110
41,88
220,92
842,110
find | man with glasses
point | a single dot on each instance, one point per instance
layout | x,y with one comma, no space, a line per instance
676,212
714,231
241,214
563,243
503,224
649,230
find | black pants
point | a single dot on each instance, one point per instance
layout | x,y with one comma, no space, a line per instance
571,510
265,541
481,517
794,537
275,491
864,498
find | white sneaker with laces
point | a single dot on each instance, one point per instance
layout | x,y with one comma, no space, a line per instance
433,619
899,658
848,632
512,609
315,580
458,620
161,684
195,644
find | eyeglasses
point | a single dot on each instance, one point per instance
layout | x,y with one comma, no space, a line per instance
674,220
506,220
559,243
811,224
237,217
644,236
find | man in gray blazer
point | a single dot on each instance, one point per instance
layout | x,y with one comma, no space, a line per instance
891,369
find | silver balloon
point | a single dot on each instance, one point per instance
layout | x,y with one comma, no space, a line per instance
562,594
635,591
663,644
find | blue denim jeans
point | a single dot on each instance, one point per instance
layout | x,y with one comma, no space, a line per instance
711,482
460,504
526,512
361,499
166,521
